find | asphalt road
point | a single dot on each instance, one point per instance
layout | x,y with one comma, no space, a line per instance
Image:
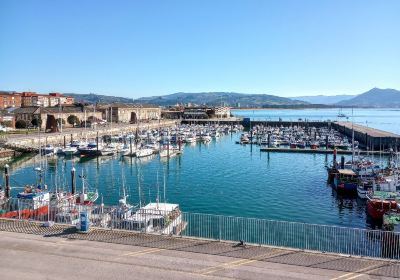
27,256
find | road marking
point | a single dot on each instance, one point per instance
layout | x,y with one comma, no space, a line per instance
358,273
140,252
143,252
204,270
237,263
362,274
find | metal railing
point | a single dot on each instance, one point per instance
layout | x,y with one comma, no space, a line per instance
302,236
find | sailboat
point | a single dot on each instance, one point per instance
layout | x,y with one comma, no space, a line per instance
340,114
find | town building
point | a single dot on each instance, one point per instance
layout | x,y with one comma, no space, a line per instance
42,100
222,112
10,100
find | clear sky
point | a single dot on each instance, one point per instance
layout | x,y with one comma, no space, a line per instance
144,47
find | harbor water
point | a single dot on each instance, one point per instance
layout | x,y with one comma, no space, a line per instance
220,177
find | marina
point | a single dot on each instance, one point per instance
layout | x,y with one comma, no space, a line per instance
109,175
138,181
224,140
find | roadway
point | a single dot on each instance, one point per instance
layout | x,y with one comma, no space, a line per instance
37,256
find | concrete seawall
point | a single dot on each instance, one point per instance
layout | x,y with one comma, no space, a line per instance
31,142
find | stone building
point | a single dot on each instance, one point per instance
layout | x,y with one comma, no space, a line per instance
199,112
129,113
50,115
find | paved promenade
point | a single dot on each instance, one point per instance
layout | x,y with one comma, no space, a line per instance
34,252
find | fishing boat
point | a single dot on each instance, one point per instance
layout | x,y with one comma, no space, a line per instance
345,181
32,203
164,218
86,197
365,187
381,202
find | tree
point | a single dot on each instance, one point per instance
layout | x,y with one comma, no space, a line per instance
60,120
36,121
72,119
20,124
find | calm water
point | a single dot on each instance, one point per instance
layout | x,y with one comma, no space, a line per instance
224,178
219,178
385,119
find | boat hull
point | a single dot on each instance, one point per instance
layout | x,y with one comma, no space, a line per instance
377,208
26,213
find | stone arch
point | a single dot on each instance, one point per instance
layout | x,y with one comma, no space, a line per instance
133,118
51,124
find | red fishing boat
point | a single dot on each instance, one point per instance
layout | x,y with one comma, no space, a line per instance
381,202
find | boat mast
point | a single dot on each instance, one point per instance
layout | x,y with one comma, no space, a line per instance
158,191
352,136
83,182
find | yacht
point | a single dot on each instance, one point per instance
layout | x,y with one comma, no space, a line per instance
144,152
92,149
69,151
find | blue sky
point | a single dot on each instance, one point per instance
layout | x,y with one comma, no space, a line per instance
143,48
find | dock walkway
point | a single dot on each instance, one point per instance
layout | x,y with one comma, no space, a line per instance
59,252
373,132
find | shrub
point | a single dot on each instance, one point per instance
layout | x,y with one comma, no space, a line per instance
72,119
20,124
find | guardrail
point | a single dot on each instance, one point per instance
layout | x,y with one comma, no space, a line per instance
309,237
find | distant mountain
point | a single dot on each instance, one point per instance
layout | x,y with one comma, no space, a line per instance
232,99
97,98
324,99
375,97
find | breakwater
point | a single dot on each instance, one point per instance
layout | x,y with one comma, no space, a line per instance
371,139
368,137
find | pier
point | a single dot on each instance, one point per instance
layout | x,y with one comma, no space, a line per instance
371,139
62,253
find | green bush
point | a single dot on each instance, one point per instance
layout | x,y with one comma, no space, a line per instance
20,124
72,119
36,122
